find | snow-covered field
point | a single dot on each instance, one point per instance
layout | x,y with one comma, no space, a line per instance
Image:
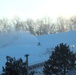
17,44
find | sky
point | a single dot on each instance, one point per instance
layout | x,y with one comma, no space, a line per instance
37,8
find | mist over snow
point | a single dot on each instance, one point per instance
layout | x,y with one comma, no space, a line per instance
18,38
17,44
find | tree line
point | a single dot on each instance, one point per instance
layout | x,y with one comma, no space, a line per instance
39,26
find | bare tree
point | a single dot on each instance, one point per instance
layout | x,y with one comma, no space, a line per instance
31,25
5,25
43,26
61,24
18,24
73,22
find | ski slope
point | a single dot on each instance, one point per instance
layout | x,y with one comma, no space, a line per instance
17,44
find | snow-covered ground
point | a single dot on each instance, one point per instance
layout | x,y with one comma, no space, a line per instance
72,72
17,44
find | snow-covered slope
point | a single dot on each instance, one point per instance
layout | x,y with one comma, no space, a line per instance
53,39
21,43
17,38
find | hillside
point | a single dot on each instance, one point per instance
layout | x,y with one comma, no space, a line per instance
17,44
53,39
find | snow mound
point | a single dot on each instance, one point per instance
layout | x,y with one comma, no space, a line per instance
17,38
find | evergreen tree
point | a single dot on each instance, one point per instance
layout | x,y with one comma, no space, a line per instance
61,60
14,67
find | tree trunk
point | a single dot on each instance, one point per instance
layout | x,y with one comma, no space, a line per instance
64,70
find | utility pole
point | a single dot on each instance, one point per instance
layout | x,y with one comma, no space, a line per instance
27,63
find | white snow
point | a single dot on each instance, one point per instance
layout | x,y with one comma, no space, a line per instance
17,44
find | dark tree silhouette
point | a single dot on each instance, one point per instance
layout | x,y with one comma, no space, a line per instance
14,67
61,60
